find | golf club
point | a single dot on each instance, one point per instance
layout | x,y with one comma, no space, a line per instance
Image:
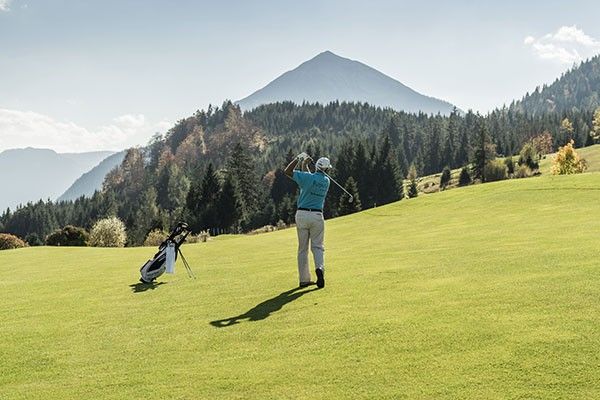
333,180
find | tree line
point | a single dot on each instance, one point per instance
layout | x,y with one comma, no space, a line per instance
222,170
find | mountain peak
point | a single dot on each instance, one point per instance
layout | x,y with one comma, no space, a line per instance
329,77
327,54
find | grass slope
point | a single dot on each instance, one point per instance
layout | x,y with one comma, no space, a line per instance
490,291
590,153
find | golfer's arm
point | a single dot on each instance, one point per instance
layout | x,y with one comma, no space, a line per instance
289,170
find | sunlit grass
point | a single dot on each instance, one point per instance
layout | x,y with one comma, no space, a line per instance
490,291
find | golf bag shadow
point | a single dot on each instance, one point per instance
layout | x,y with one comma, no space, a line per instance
156,266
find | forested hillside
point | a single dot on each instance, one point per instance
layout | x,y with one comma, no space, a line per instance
576,90
221,169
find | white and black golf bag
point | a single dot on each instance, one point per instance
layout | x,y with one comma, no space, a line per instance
157,265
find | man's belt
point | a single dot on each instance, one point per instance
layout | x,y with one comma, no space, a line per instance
310,209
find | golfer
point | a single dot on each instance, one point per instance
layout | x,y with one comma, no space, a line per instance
310,224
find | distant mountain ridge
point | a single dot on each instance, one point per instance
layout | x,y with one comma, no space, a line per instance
92,180
329,77
576,90
35,174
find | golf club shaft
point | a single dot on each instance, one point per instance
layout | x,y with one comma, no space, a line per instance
340,186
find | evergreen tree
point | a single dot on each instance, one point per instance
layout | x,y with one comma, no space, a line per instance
483,152
286,210
345,206
209,196
229,206
465,178
413,190
241,169
146,217
361,171
386,177
445,178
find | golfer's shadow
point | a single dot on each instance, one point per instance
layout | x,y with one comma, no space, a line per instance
142,287
264,309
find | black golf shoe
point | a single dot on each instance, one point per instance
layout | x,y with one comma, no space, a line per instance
320,278
306,284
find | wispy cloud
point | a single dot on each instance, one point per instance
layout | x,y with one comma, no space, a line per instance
5,5
567,45
30,129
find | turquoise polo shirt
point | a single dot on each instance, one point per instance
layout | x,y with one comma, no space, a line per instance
313,189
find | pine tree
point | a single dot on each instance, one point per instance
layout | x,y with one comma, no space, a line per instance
209,196
241,169
361,171
387,185
146,217
483,152
445,178
345,206
413,190
229,206
465,178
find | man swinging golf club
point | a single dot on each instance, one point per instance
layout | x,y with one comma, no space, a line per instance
310,224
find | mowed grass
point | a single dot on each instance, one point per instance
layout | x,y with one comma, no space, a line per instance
484,292
591,154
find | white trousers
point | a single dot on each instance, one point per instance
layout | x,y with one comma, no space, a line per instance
310,227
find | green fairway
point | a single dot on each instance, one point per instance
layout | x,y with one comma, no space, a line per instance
485,292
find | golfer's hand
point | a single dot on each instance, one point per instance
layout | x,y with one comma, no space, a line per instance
302,157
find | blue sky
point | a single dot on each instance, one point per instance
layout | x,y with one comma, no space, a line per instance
84,75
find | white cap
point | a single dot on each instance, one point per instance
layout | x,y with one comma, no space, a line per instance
323,163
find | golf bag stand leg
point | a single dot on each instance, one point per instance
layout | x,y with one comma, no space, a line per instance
187,265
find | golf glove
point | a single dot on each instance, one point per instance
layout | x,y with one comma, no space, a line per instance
302,156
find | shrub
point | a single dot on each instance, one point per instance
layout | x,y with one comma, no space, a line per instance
465,178
542,143
445,178
108,232
155,237
510,165
413,190
567,161
523,172
529,156
281,225
202,237
33,239
8,241
68,236
495,170
264,229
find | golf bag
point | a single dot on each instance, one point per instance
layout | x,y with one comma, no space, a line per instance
156,266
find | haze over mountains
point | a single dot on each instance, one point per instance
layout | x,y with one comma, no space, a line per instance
92,180
329,77
42,174
36,174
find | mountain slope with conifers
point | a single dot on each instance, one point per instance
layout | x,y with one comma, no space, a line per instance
162,183
576,90
489,291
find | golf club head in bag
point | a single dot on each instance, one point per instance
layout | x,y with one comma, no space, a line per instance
157,265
